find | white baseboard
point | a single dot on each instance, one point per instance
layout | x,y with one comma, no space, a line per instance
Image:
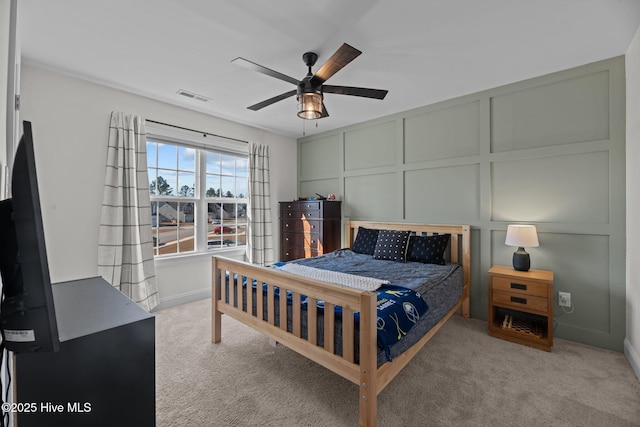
184,298
632,357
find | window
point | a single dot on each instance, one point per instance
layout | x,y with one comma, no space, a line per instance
198,197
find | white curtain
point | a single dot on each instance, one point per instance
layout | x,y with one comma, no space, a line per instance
260,237
125,251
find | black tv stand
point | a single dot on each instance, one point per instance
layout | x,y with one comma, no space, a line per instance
104,373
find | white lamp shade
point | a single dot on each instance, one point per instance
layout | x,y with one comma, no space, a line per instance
522,236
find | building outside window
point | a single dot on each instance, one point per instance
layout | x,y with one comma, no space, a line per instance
198,196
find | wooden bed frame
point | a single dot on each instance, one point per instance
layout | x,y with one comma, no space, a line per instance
366,374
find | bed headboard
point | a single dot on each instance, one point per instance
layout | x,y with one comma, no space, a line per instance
459,250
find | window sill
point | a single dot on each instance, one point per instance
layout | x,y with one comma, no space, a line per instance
237,252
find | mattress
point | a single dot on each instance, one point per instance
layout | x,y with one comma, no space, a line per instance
440,286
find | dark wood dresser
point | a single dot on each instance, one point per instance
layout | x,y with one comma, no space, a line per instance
309,228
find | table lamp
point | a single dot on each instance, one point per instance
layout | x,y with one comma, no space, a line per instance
521,236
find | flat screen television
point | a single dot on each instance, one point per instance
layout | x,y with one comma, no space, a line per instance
27,313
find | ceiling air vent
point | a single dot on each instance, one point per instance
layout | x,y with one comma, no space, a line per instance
193,95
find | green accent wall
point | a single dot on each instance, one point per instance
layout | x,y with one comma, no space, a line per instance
548,151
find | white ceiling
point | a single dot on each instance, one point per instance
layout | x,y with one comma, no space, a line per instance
422,51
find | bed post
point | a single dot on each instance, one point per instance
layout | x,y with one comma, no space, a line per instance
216,316
466,268
368,360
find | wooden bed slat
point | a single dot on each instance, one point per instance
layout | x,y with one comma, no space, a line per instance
348,331
259,300
249,291
271,316
329,326
296,310
312,321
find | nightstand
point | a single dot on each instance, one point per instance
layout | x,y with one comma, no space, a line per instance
521,306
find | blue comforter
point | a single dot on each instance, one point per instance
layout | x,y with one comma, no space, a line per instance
399,308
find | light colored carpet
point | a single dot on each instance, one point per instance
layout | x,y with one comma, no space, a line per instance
462,377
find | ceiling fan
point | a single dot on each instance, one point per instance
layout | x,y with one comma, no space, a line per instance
311,89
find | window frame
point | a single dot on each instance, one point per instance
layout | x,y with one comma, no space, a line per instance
201,143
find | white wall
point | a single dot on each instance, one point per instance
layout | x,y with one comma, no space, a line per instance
632,342
5,14
70,119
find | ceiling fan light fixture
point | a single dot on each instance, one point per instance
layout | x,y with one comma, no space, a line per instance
310,105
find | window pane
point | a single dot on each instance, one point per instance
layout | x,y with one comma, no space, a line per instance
213,186
154,226
228,164
186,184
186,228
242,212
213,163
228,186
215,213
167,228
167,156
215,226
229,224
167,182
186,159
242,166
152,172
186,214
151,154
241,235
241,187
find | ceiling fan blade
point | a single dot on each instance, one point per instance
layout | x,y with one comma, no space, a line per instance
264,70
325,113
355,91
338,60
265,103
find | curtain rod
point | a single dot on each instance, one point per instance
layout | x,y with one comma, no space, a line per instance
196,131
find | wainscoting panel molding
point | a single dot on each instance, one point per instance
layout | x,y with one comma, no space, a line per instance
548,151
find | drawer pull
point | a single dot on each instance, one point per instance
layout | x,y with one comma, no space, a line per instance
519,300
518,286
286,225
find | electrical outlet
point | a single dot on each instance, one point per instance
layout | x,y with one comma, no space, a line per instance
564,299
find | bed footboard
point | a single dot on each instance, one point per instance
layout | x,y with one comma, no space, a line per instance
238,301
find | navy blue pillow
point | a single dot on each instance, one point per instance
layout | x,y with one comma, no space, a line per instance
366,240
392,245
428,249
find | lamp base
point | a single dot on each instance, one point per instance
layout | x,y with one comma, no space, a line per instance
521,260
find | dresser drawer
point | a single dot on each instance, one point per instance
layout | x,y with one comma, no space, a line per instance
303,211
301,240
298,225
520,286
309,206
519,301
297,253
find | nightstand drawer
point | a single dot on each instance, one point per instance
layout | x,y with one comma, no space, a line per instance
520,300
520,286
